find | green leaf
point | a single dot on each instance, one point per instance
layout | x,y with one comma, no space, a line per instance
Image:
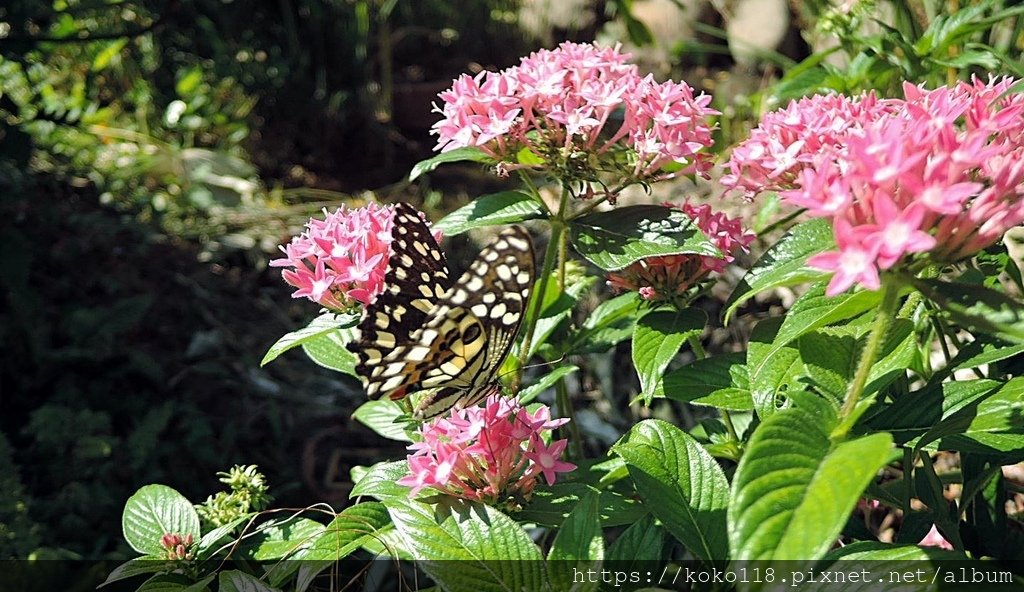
981,352
814,309
637,30
830,359
773,369
878,551
108,53
831,355
352,529
785,263
615,239
239,581
466,153
380,481
534,390
610,323
137,567
794,489
656,340
529,157
210,541
558,310
201,585
578,544
173,582
348,532
643,541
720,381
328,350
279,540
152,512
976,308
381,415
551,505
681,484
915,413
507,207
993,423
469,546
318,327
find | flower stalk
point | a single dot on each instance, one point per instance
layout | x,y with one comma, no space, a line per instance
876,337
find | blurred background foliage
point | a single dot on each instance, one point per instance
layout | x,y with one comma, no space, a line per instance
153,153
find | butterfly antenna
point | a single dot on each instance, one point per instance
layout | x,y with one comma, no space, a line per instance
528,366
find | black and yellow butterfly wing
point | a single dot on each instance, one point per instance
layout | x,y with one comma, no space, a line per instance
445,342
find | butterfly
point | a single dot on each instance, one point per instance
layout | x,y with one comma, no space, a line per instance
445,340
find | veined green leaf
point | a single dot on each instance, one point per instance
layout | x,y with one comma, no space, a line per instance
152,512
469,546
794,488
682,485
385,417
507,207
976,308
614,240
466,153
656,340
578,545
785,263
318,327
719,381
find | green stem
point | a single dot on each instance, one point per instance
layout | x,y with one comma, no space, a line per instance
589,207
781,221
525,177
883,318
908,481
565,410
700,354
563,255
695,345
537,301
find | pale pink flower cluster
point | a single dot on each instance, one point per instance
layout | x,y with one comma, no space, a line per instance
941,171
563,105
667,278
490,454
788,140
340,261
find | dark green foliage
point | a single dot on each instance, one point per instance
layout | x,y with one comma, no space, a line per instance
19,535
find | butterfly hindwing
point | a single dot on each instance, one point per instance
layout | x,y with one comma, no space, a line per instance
478,321
445,342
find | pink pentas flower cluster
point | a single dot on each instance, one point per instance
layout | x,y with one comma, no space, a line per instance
339,261
491,454
668,278
564,105
939,172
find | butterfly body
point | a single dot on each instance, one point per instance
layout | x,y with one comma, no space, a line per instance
446,340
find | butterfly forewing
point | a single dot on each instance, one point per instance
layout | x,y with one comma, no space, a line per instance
416,279
445,342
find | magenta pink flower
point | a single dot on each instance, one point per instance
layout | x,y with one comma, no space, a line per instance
937,174
491,454
935,539
853,263
340,261
559,103
668,278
